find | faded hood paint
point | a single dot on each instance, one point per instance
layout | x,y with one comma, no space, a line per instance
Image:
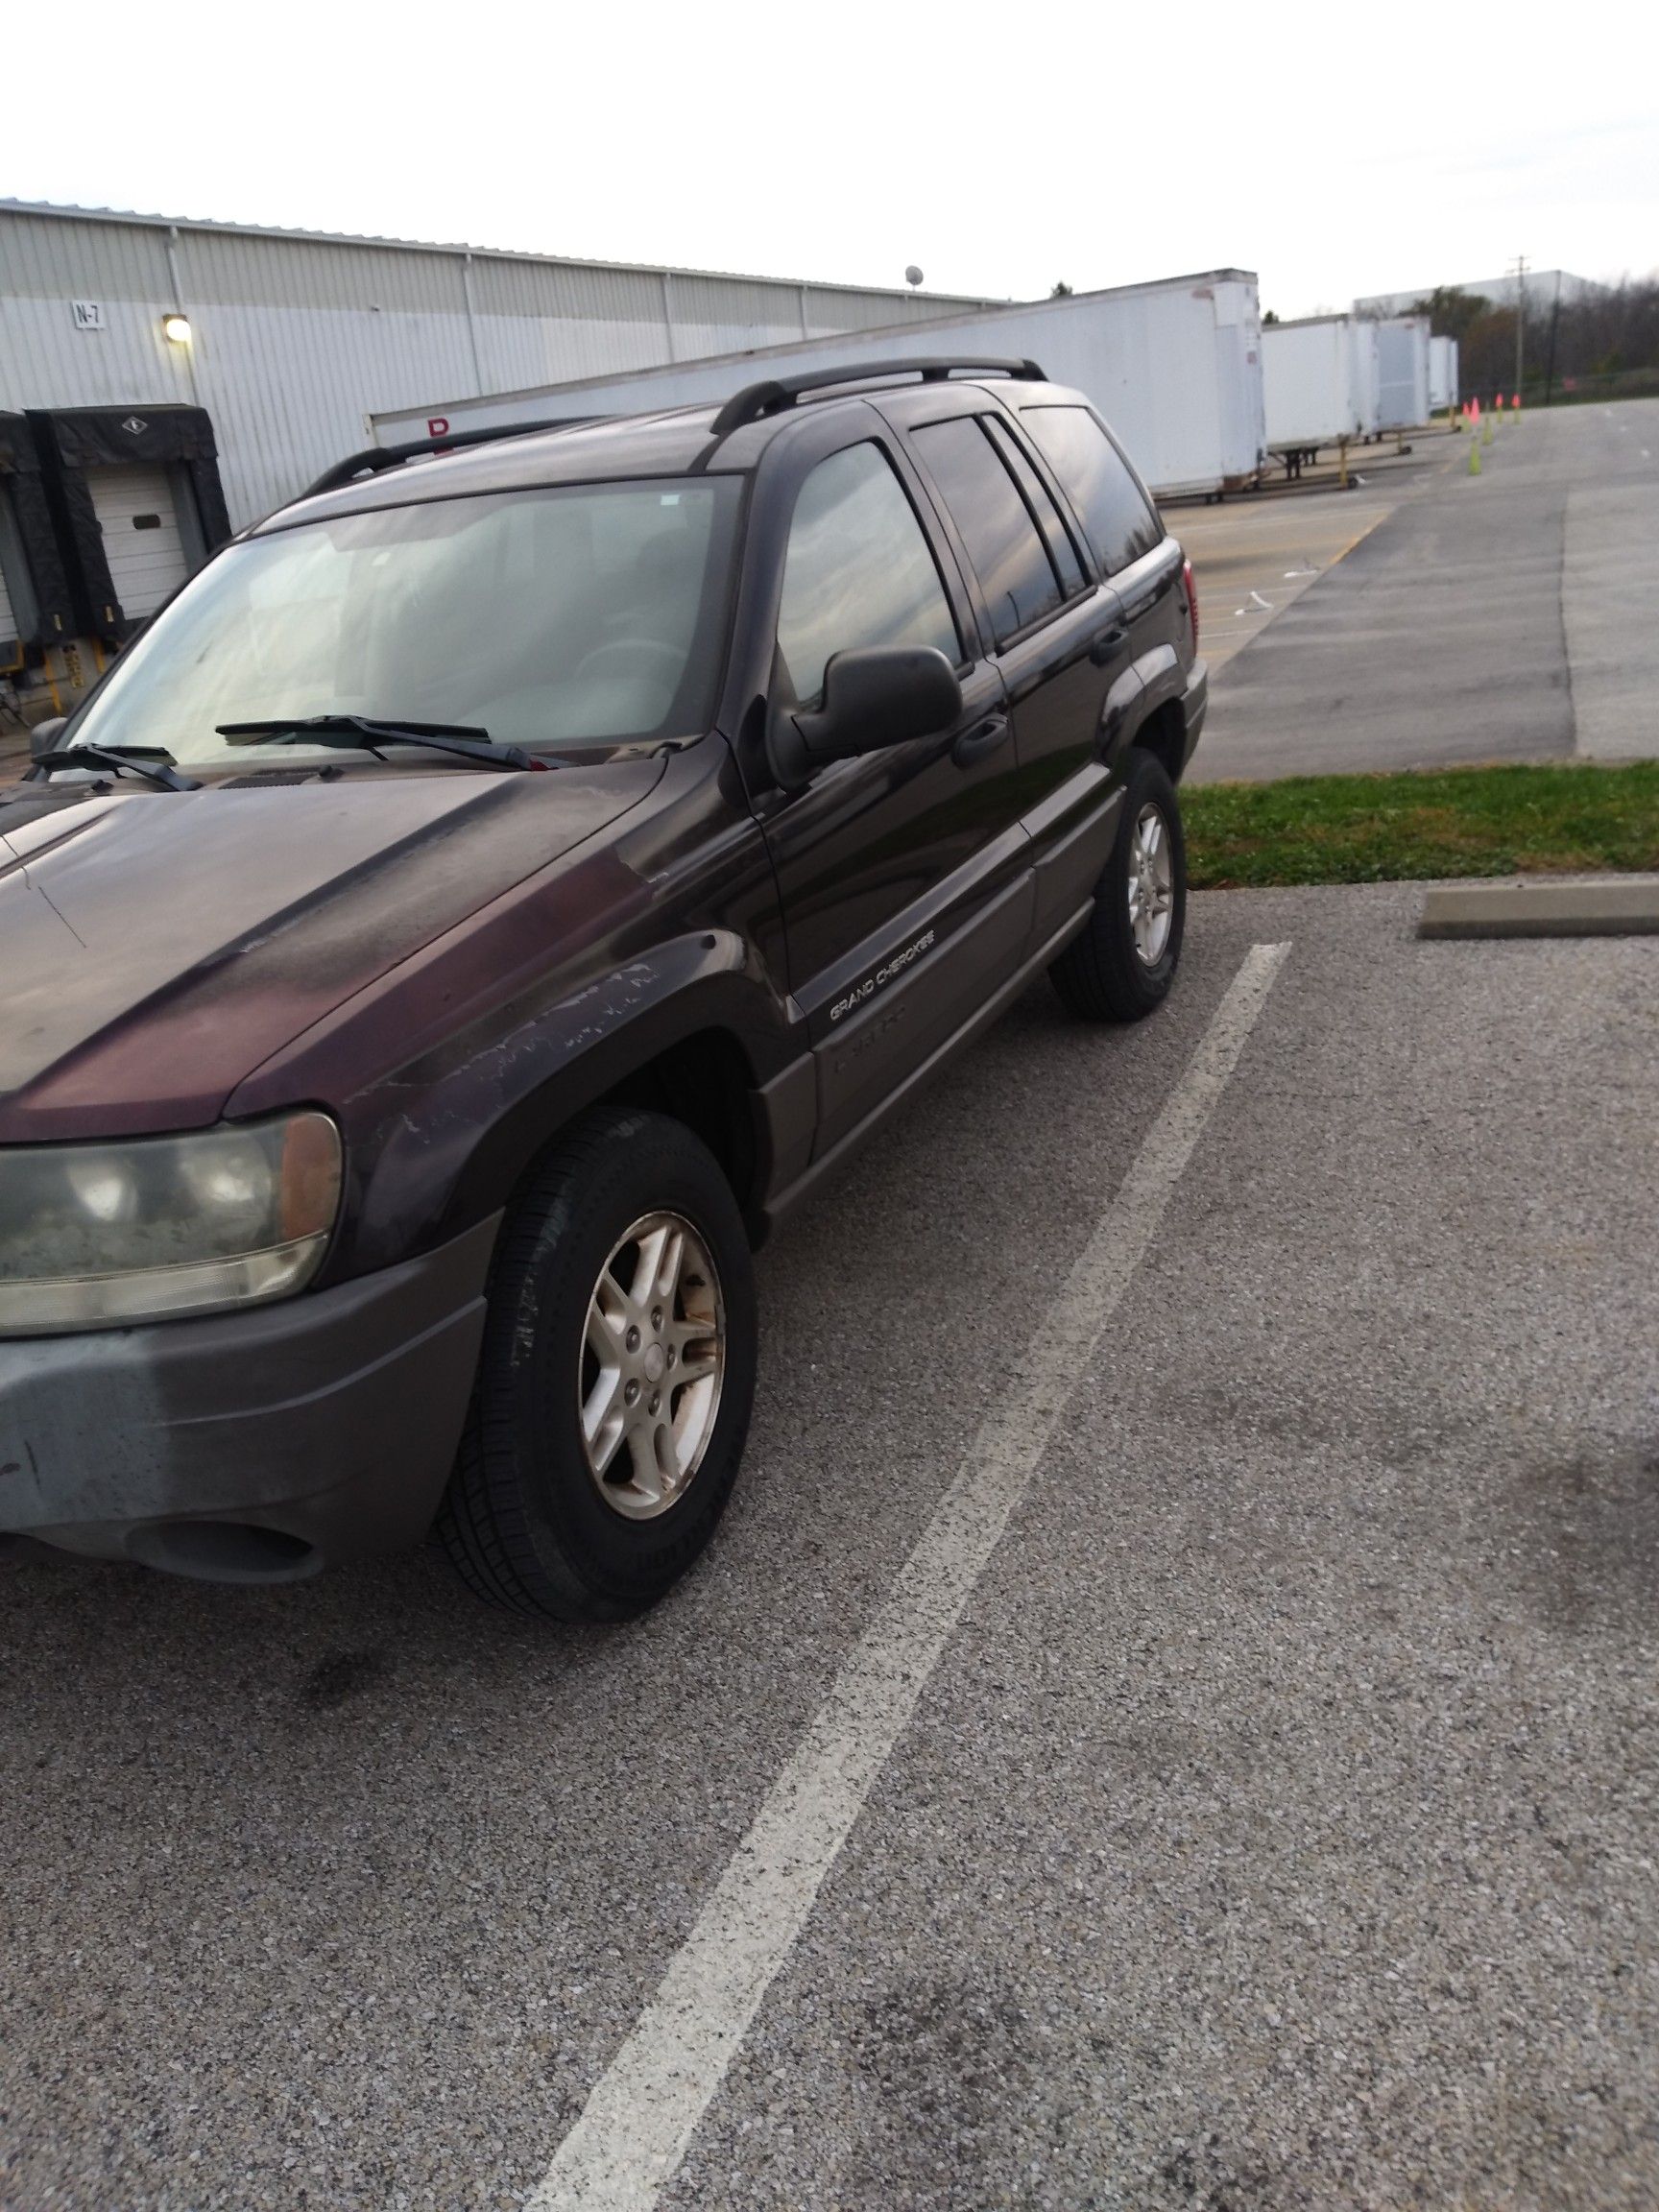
155,947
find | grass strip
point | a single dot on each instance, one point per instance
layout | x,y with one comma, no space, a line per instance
1501,821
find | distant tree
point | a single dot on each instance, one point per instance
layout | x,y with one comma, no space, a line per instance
1269,315
1061,291
1453,312
1487,351
1610,332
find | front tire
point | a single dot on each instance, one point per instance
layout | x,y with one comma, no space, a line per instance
1121,966
615,1380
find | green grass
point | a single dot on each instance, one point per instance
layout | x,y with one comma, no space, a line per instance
1455,822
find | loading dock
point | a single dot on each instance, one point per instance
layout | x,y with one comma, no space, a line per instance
138,504
104,513
34,600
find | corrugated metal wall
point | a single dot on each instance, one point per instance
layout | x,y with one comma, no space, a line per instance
298,339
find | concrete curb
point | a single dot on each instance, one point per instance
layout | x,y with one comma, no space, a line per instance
1630,908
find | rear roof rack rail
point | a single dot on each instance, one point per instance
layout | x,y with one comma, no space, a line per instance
374,458
757,400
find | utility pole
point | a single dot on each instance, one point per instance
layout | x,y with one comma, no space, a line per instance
1520,274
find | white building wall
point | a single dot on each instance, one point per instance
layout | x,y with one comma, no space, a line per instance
298,339
1541,291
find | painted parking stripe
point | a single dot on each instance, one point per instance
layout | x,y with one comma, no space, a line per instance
634,2131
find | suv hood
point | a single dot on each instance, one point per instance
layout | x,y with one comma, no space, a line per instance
157,946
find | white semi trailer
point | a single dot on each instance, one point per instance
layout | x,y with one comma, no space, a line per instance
1403,372
1443,392
1321,379
1175,367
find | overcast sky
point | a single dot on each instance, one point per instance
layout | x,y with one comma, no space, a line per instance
999,150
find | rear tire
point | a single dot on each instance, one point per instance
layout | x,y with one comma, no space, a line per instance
1121,966
575,1495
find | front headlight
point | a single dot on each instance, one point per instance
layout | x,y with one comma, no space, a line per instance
93,1235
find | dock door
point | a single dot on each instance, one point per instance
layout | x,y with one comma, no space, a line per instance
138,512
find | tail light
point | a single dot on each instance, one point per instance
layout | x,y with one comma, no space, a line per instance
1192,591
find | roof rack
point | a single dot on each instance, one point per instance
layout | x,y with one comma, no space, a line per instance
757,400
373,458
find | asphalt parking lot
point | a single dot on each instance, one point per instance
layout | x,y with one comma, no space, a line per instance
1265,1817
1255,553
1505,616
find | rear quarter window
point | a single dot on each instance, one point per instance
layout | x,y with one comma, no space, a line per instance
1013,565
1115,511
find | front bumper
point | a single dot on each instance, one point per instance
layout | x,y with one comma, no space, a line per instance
249,1447
1194,706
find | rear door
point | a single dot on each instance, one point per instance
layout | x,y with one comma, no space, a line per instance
905,876
1058,636
1132,550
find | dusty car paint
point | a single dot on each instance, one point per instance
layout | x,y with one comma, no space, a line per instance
192,934
455,965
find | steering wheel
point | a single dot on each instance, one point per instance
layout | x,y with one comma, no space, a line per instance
633,656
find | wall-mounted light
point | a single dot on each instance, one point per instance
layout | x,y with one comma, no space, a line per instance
176,329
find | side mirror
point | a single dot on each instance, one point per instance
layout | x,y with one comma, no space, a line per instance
874,696
44,737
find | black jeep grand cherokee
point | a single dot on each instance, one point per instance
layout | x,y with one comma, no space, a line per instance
493,892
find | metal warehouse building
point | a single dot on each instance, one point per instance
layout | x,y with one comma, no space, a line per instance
296,337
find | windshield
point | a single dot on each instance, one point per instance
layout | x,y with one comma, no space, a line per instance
594,614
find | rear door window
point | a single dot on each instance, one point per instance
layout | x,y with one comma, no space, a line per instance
1013,565
1035,493
858,571
1115,511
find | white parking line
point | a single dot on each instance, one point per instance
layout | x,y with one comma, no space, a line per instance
634,2131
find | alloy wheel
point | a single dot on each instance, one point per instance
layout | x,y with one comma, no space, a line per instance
653,1361
1151,886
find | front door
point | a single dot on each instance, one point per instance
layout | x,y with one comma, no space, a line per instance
905,876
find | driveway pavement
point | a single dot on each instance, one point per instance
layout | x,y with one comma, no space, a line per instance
1513,615
1246,1796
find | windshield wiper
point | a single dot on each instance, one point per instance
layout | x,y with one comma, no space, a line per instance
363,736
153,762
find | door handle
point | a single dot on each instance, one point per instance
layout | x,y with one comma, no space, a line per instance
981,741
1109,642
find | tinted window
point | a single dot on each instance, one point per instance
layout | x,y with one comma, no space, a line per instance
1035,493
1119,519
858,570
1013,565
